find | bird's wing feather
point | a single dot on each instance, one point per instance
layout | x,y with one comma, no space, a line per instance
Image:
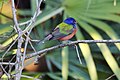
62,30
65,28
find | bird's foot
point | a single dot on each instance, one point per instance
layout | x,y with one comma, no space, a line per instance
59,41
67,41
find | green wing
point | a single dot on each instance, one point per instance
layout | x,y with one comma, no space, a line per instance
62,30
65,28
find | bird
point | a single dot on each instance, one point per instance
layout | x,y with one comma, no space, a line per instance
63,31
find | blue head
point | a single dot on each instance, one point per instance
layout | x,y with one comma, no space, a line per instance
71,21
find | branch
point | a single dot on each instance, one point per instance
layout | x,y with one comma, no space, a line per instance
20,39
33,19
6,63
43,52
20,57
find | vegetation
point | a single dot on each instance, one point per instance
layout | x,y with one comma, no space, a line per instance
97,20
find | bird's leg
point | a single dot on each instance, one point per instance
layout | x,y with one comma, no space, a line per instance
75,46
59,41
67,41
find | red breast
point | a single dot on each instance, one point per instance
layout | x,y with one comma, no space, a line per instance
69,36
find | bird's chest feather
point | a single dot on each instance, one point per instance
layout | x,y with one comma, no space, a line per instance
69,36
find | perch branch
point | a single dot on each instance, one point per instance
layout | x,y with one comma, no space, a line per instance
43,52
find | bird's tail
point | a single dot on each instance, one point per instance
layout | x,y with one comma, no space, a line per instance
48,37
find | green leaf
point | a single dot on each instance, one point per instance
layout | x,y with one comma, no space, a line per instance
5,28
53,76
88,57
103,16
104,49
65,69
81,73
105,27
2,2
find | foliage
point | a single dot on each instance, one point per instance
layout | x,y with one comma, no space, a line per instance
2,2
97,19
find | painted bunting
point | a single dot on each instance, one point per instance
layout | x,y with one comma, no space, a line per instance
64,31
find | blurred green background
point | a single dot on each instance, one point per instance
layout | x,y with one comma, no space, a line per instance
97,20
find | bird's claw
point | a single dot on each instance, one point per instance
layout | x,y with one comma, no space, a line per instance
67,41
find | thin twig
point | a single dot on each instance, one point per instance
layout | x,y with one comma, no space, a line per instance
32,46
110,77
43,52
6,63
10,63
9,48
78,54
24,23
4,56
33,19
5,70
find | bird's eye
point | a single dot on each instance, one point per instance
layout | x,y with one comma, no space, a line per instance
74,22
